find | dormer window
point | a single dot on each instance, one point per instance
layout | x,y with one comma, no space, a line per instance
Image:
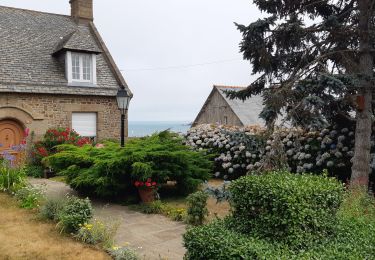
80,69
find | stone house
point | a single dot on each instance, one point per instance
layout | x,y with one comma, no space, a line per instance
219,109
56,71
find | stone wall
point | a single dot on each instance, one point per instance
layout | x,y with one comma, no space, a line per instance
38,112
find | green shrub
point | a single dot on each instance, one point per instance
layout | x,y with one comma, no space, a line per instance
197,208
11,178
358,204
354,240
30,197
159,207
111,171
51,208
52,138
97,232
123,253
35,171
74,213
300,203
297,209
155,207
240,150
176,214
215,241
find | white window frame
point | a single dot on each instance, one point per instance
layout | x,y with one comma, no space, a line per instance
69,70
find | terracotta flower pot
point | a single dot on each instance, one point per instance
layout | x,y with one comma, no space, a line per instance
147,194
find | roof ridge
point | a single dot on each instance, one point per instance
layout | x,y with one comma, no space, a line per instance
34,11
223,86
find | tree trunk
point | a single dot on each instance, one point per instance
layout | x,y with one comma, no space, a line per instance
361,159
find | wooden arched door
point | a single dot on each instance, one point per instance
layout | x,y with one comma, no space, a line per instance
11,134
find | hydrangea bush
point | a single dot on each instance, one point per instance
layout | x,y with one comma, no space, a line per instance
240,150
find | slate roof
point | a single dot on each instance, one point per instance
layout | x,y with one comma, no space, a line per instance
28,40
247,111
78,41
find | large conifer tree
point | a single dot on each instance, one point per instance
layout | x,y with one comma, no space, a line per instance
315,62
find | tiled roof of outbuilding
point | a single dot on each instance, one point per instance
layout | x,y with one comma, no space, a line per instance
28,40
247,111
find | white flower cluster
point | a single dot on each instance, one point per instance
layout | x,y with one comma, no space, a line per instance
241,150
233,145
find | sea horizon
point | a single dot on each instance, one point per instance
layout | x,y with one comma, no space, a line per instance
145,128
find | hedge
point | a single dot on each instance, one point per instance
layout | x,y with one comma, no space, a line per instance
354,240
293,208
286,216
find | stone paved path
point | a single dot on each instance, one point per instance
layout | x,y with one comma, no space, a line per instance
154,236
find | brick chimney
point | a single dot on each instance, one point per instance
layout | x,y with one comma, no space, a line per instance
82,10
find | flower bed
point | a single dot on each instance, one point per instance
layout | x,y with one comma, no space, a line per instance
54,137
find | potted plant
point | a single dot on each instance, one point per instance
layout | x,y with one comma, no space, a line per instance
147,190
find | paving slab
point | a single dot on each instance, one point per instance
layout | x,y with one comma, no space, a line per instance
153,236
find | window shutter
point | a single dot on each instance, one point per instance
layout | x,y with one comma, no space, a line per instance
84,124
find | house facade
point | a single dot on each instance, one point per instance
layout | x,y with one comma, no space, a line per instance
221,110
55,71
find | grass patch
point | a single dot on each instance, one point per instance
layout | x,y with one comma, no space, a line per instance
22,236
58,179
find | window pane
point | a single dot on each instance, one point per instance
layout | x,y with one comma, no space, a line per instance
75,67
86,60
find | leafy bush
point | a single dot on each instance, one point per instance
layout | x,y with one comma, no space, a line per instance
354,240
97,232
111,171
11,178
51,208
30,197
176,214
123,253
216,241
359,205
353,236
241,150
235,150
197,207
35,171
52,138
155,207
74,213
220,193
159,207
297,209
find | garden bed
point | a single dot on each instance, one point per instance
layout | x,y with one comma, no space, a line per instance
171,205
24,236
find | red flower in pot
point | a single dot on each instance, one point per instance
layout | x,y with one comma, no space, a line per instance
146,190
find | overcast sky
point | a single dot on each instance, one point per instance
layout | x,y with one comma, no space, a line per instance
158,45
